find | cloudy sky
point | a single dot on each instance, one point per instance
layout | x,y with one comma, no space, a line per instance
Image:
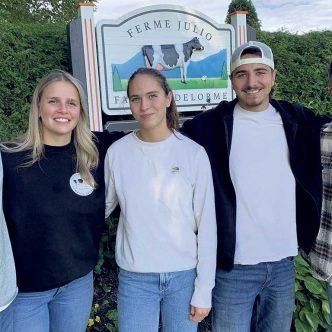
296,16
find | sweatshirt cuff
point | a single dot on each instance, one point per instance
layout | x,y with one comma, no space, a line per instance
202,298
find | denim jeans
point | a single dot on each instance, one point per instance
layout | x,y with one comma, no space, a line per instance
235,292
143,297
62,309
6,319
329,295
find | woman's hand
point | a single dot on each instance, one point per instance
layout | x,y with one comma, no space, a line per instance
198,314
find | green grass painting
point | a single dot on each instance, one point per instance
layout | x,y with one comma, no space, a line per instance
193,83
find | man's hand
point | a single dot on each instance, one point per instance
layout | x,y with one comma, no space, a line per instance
198,314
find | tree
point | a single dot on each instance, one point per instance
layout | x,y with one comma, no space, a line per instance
247,5
30,11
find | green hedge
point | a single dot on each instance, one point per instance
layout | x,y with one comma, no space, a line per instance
302,62
27,52
312,312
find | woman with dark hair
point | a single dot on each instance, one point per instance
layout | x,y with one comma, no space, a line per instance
166,238
54,202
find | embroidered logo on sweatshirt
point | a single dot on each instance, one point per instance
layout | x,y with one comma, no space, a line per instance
175,169
79,186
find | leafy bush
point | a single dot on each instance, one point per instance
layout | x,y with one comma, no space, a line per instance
103,315
27,52
312,311
302,63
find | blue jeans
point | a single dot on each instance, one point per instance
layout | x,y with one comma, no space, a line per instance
235,293
66,308
329,295
143,297
6,320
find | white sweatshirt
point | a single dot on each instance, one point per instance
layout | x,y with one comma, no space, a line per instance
167,221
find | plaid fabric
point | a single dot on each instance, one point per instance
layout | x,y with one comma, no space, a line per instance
320,256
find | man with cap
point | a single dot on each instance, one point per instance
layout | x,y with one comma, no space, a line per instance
320,256
265,159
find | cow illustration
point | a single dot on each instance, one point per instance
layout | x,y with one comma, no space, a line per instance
165,57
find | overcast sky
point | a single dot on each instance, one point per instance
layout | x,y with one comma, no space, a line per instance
296,16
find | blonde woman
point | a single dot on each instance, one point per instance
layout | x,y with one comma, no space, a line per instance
54,205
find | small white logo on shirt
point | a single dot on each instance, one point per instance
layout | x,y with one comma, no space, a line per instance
175,169
79,186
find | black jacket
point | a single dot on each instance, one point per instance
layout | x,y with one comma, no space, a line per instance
213,130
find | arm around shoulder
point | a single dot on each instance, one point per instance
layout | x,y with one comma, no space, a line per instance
107,138
110,192
313,116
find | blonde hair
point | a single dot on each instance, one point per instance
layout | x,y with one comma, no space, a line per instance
87,156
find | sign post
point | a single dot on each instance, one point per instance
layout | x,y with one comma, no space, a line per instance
84,60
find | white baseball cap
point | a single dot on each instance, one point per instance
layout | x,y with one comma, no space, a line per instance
266,57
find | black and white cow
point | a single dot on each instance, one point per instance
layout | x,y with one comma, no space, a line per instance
164,57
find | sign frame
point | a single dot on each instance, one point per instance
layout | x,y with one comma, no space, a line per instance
193,24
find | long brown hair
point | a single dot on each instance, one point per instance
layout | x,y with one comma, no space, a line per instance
172,115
